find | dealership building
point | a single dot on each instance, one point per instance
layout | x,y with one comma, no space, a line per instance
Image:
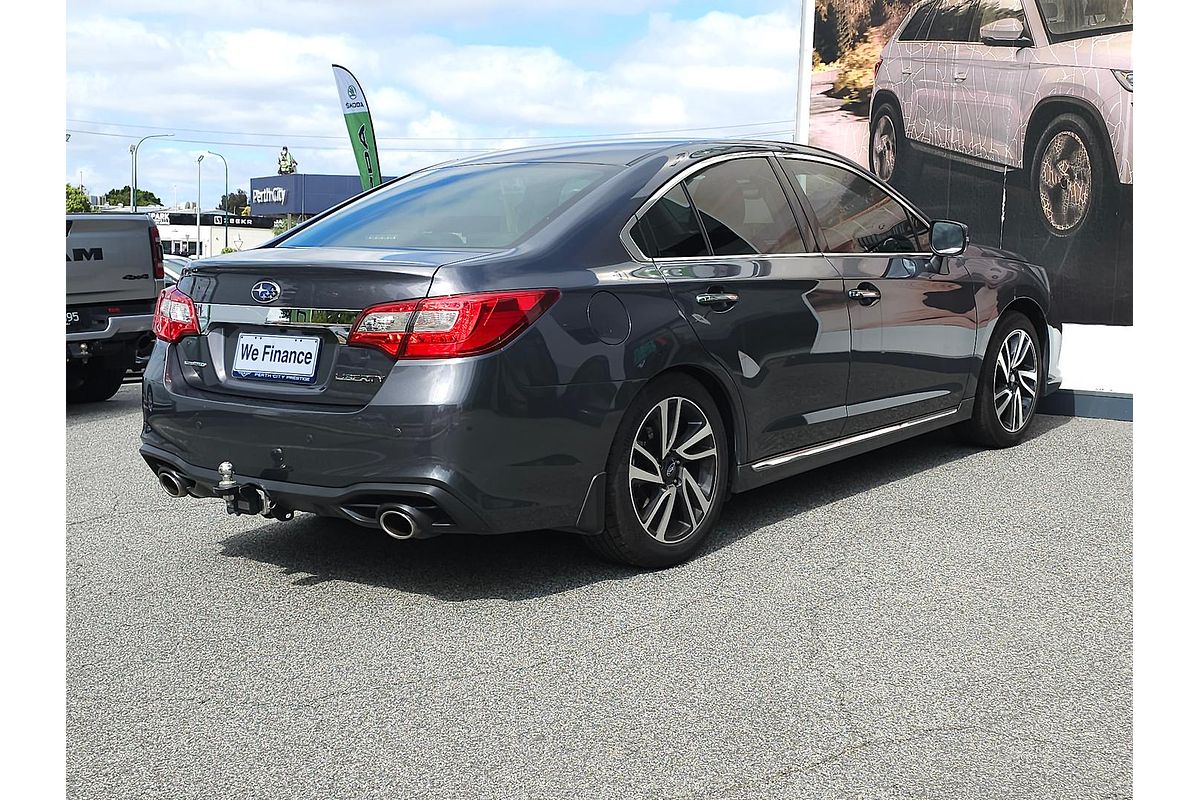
181,235
300,195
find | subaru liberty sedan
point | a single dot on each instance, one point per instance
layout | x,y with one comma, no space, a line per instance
1044,86
606,339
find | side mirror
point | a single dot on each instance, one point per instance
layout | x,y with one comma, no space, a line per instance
948,238
1008,32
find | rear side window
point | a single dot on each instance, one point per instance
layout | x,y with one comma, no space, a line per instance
670,228
916,25
952,22
855,214
476,206
743,209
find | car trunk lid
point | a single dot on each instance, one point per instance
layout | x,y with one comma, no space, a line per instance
274,321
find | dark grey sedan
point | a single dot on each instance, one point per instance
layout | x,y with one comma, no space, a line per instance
607,339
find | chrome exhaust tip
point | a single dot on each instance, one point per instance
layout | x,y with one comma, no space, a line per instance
172,483
398,523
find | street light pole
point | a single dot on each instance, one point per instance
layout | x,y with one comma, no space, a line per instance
133,178
226,163
198,160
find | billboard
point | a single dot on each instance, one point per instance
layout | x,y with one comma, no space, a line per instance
1013,116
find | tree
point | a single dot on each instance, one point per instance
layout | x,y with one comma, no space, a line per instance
77,201
283,224
120,197
234,202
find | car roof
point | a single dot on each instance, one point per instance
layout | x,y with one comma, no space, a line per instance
630,151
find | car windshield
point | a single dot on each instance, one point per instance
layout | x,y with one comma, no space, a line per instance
1073,19
472,206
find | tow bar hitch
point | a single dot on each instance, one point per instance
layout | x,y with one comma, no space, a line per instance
246,498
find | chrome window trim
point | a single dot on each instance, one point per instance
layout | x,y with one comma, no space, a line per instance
636,254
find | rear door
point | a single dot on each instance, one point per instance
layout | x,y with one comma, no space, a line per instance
912,315
762,302
910,73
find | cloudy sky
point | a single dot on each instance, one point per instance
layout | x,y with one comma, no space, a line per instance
444,78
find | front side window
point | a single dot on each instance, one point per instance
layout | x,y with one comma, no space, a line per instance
474,206
670,228
1075,19
916,25
854,213
743,209
993,10
952,22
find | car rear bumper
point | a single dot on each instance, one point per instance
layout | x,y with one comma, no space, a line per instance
461,439
117,326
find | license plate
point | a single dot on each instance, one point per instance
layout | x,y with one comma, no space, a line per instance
276,358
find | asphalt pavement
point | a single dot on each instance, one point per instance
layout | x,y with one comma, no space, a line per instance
928,621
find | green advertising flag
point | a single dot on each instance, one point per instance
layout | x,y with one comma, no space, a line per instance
358,123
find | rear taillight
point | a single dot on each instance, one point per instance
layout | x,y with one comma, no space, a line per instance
875,71
450,327
156,253
175,316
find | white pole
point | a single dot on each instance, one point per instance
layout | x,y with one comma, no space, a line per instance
198,160
808,13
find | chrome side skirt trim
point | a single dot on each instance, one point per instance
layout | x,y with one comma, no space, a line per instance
796,455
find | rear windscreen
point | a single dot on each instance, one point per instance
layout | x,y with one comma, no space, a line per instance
482,205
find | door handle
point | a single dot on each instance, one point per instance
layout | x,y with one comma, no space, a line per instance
717,298
906,71
865,294
960,76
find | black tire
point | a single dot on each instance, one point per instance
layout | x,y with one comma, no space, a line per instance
1072,157
990,426
905,163
93,382
625,539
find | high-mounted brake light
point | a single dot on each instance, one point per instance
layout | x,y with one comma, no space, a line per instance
175,316
452,326
156,253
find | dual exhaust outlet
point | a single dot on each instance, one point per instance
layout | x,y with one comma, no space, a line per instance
397,521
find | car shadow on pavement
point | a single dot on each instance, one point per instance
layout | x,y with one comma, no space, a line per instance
521,566
527,565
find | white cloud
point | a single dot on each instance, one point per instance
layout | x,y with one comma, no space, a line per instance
720,69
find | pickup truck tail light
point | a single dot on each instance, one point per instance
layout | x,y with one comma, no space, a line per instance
875,70
156,253
452,326
175,316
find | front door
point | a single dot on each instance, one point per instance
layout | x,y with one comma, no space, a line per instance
912,315
771,311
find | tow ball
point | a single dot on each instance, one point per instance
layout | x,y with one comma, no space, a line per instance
246,498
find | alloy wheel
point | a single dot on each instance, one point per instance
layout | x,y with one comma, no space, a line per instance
883,148
1016,380
673,469
1065,181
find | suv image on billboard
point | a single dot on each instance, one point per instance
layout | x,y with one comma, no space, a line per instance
1042,86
